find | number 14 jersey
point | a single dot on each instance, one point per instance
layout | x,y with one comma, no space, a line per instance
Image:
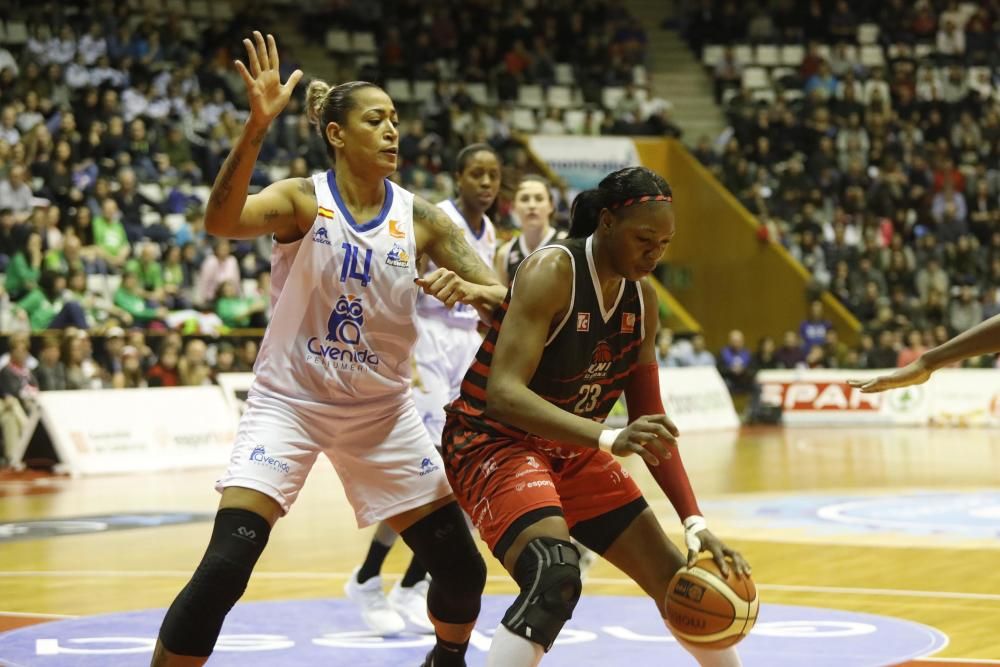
344,304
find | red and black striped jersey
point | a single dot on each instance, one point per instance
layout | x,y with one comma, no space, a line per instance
587,358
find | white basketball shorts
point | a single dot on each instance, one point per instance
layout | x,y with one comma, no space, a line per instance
382,454
443,354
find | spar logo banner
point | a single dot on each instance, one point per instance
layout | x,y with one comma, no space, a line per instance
952,397
583,161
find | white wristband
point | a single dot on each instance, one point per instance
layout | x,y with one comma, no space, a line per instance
693,525
607,438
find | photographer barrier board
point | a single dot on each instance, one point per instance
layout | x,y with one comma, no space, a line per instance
694,397
132,430
952,397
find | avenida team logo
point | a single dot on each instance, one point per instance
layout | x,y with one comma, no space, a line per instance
345,350
346,320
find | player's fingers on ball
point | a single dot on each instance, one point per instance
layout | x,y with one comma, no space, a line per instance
692,557
719,558
741,564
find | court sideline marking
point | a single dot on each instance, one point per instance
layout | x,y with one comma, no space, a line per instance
791,588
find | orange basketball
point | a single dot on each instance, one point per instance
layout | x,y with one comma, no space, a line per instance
710,610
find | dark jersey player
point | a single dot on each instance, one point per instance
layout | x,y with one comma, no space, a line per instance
525,446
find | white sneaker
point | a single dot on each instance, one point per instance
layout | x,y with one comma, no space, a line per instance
587,559
375,609
411,604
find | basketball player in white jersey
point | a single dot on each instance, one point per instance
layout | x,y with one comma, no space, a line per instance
333,372
447,343
533,207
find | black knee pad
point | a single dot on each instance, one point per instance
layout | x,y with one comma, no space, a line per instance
194,620
548,572
442,543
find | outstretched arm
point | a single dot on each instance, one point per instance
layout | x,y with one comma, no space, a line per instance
984,338
444,242
283,208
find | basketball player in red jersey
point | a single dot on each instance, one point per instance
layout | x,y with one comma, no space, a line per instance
984,338
525,448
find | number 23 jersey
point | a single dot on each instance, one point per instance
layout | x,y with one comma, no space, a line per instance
343,303
587,357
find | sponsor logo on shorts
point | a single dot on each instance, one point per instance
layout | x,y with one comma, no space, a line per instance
427,466
259,457
480,511
488,467
532,462
534,484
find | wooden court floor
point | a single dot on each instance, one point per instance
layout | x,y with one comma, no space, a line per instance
949,580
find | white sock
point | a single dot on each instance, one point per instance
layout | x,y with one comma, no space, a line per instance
711,657
510,650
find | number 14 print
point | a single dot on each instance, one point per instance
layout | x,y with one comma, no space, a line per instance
350,267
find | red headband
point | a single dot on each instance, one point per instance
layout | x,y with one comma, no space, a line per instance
641,200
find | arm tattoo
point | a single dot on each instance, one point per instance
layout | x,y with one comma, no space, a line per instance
258,139
224,185
452,250
306,187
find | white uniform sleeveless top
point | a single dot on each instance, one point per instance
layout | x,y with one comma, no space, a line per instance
344,304
461,316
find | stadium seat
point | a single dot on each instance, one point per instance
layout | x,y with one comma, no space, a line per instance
530,95
363,42
560,97
399,90
792,55
198,9
712,54
764,95
743,54
922,51
365,60
573,119
176,6
639,75
479,92
524,119
422,90
872,56
755,77
868,33
610,96
779,73
564,74
338,41
15,33
767,55
222,10
152,191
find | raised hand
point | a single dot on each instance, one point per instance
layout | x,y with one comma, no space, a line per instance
267,95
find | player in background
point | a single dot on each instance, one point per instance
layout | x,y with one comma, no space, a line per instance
984,338
525,447
534,207
333,372
447,343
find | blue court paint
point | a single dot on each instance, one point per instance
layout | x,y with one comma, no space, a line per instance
968,515
605,630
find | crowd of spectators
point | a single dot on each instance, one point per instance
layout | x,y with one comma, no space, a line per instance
882,181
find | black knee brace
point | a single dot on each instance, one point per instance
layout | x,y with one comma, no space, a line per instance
194,620
548,572
442,543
